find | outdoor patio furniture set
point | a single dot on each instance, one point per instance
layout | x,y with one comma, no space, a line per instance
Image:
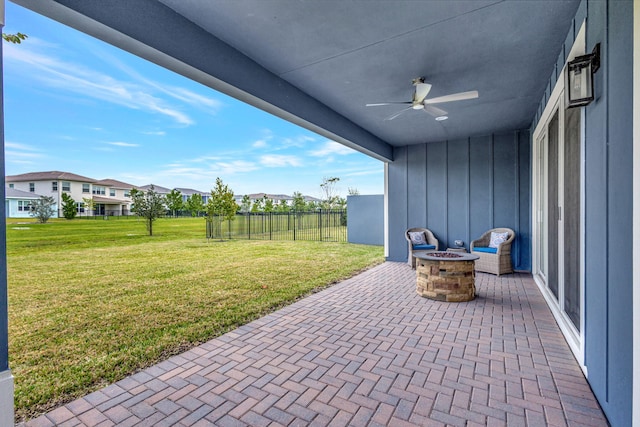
493,248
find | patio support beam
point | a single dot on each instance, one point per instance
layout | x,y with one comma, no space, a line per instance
151,30
6,379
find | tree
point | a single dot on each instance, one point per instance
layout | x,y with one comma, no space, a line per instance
257,206
245,206
221,206
89,204
194,204
174,201
42,209
14,38
328,189
268,205
283,206
69,209
148,205
299,204
353,191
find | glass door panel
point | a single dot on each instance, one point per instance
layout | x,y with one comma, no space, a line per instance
552,204
571,215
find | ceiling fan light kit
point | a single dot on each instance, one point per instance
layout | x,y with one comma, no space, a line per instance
420,101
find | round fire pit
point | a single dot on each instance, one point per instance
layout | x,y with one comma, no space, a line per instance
446,276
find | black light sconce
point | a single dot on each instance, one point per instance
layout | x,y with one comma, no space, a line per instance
579,85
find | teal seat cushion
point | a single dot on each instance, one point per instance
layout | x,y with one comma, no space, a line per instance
423,247
487,250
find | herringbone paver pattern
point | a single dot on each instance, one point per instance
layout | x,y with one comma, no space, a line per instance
366,352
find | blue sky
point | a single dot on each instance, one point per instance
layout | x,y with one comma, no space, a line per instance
76,104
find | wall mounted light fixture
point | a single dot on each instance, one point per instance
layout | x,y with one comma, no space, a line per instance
579,84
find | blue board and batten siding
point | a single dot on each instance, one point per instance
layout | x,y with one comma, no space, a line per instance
461,188
365,219
609,212
608,164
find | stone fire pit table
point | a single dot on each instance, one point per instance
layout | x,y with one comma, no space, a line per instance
446,276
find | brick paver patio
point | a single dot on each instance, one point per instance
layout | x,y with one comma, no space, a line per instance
366,352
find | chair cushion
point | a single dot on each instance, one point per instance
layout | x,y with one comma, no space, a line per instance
418,237
423,247
497,239
485,249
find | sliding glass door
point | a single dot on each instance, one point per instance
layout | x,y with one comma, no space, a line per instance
558,211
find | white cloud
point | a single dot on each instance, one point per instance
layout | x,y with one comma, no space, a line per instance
122,144
18,146
16,152
332,148
205,159
261,143
277,161
298,141
157,133
208,172
21,162
79,79
194,99
22,154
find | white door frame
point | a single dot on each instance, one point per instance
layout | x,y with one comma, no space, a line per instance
574,337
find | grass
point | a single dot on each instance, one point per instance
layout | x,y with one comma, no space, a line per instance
92,301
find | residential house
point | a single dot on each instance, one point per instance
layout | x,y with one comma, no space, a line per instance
157,188
54,183
111,197
485,138
18,203
187,192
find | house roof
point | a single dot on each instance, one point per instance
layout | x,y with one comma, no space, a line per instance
190,191
318,64
256,196
48,176
12,193
115,184
157,188
110,200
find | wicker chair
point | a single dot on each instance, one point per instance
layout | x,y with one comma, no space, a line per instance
431,241
495,263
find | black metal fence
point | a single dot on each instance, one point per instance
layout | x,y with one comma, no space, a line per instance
321,225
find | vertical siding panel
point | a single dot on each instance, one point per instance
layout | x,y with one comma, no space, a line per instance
437,185
457,190
620,208
504,172
481,181
398,205
595,239
417,186
523,261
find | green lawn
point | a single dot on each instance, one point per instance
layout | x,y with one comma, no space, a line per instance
91,301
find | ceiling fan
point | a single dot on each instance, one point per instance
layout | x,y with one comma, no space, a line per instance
420,101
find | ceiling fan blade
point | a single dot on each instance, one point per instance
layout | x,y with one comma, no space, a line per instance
434,111
453,97
422,90
386,103
393,116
